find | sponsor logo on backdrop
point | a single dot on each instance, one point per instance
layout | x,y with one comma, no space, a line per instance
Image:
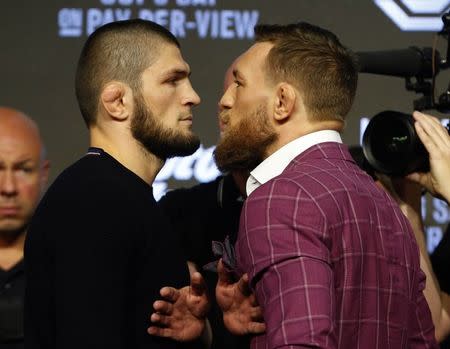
415,15
200,167
184,18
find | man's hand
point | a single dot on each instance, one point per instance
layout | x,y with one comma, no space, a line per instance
437,142
241,313
181,315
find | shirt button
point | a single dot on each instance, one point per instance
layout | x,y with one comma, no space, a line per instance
7,285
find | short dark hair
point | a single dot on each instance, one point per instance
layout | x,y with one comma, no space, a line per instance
315,62
120,51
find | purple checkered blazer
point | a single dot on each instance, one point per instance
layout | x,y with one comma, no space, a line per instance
332,259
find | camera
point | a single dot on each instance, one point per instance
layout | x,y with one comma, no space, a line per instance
392,146
390,143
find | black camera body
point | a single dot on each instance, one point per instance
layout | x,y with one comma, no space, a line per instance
392,146
390,143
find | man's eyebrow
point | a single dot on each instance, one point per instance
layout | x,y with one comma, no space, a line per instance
237,74
27,161
178,72
22,162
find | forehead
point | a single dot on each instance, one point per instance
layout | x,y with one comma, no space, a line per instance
18,143
253,60
168,59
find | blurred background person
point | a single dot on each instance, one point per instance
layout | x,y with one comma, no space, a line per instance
437,292
23,176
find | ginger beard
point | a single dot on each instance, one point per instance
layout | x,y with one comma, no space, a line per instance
160,140
243,146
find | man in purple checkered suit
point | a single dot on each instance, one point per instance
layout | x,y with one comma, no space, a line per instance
330,257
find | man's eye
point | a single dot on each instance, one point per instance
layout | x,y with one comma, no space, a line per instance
26,169
237,83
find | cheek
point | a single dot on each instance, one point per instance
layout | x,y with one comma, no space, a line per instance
238,115
246,97
29,192
163,105
237,129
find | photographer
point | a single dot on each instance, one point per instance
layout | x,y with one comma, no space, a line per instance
407,191
437,142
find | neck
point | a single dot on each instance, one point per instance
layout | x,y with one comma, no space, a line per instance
129,152
11,249
240,178
289,132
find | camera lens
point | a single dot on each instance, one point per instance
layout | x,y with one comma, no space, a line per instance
391,144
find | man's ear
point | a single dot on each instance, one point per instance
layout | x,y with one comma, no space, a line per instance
116,98
284,101
45,171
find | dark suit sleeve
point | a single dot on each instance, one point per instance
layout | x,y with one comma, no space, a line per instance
440,260
191,212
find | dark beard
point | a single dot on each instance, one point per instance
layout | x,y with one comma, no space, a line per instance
11,235
244,147
159,140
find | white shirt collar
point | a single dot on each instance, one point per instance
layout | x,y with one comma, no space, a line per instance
278,161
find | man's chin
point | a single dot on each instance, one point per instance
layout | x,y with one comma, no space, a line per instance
190,149
185,147
11,230
188,134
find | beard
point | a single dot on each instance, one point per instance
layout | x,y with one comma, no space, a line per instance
12,231
162,141
244,146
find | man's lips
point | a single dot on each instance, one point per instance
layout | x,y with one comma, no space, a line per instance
9,210
187,119
221,125
223,121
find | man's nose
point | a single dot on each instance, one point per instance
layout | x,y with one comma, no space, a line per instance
227,100
192,98
8,184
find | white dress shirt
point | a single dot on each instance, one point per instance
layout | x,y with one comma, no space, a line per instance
278,161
